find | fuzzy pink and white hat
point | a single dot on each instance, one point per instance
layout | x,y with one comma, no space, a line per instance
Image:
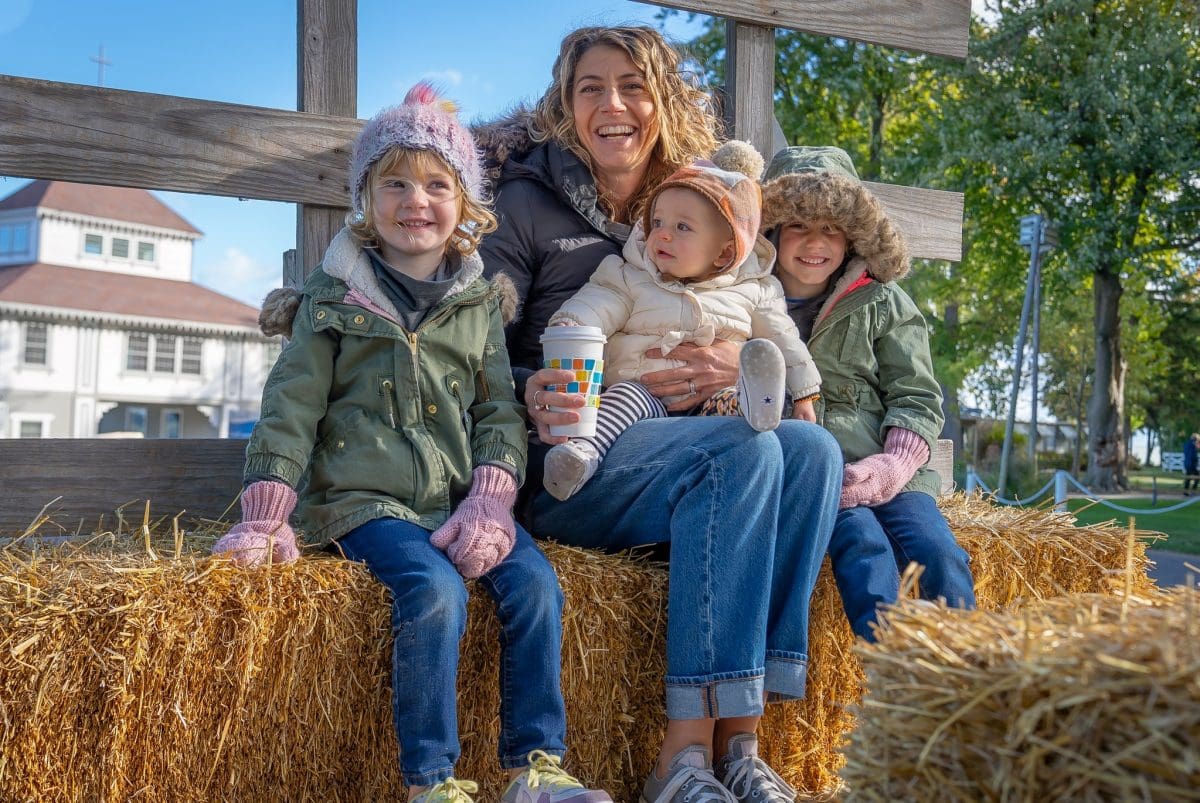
423,121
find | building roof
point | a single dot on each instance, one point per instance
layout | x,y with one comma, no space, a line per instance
114,203
121,294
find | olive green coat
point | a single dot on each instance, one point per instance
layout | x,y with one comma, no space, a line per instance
871,346
369,420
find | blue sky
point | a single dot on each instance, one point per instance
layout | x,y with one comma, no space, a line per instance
485,55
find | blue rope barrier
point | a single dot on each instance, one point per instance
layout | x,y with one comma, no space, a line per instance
1060,496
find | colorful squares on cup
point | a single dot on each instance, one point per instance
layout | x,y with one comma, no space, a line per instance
593,401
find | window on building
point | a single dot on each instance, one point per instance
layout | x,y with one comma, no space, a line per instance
137,352
135,419
193,348
37,338
14,239
120,248
164,354
31,429
93,244
145,252
171,424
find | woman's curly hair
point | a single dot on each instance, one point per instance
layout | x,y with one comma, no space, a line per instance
687,127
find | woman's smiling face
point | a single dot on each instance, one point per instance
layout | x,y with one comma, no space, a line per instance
615,116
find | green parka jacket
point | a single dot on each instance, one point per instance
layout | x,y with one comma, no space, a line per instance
872,348
368,420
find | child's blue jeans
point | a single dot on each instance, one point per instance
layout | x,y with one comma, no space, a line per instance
871,546
429,616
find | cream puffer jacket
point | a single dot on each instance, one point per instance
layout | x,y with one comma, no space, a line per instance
640,309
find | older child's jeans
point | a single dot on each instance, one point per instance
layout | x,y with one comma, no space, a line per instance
872,545
429,615
748,516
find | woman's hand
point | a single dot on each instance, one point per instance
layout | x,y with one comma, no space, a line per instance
538,401
707,370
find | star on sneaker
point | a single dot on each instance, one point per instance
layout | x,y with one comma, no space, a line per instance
761,379
748,777
545,781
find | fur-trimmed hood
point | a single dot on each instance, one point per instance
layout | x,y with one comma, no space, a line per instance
504,138
346,260
845,201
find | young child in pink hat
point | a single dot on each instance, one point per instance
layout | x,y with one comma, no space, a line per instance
391,411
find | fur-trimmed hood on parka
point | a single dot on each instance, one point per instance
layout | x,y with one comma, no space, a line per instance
346,260
858,213
506,137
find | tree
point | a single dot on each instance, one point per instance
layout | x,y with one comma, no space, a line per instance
1090,109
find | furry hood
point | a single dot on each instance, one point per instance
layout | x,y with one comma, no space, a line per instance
346,260
502,139
810,196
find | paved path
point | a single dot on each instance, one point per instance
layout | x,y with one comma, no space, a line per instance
1169,568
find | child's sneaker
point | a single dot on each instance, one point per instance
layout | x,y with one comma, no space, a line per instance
748,777
760,384
450,790
547,782
689,778
568,466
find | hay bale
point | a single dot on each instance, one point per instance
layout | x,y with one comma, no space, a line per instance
1085,698
137,667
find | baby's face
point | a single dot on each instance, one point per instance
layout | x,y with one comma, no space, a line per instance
809,253
688,237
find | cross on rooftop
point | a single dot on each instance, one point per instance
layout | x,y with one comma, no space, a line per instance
101,61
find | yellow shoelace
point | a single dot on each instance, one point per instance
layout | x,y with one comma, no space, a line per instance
451,790
545,769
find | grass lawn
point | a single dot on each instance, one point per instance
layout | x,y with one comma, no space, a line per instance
1182,527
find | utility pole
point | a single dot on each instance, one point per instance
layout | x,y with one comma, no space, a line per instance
1037,235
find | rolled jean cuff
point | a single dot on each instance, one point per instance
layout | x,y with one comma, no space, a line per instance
517,762
426,778
737,694
787,675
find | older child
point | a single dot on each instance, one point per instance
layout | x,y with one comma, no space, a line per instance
839,259
694,270
392,407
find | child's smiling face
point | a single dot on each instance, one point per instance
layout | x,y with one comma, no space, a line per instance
415,212
810,251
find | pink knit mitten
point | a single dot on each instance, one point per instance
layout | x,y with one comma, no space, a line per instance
266,506
481,532
878,478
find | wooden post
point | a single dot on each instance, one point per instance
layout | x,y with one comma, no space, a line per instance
750,83
327,83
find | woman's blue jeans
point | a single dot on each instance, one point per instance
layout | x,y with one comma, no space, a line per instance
429,616
871,546
748,516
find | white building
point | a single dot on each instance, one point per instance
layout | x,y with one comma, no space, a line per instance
102,329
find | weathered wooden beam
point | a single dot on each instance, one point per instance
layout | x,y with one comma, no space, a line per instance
327,83
94,476
928,26
750,56
930,219
70,132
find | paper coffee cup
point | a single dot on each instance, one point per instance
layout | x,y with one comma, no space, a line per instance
579,349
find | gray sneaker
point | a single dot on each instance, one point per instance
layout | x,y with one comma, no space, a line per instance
689,778
568,466
748,777
760,384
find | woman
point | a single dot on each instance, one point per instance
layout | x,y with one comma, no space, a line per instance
748,515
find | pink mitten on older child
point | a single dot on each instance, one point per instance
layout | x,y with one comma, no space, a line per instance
481,532
264,530
878,478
